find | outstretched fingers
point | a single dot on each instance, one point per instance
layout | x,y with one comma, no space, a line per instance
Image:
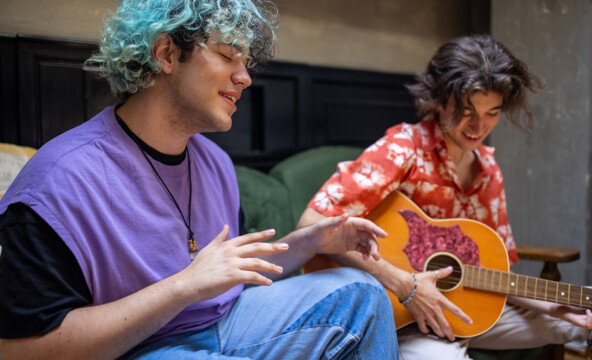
333,223
447,304
250,265
588,321
456,311
368,232
368,248
433,317
253,237
343,233
222,235
577,316
262,248
255,264
368,226
242,254
251,245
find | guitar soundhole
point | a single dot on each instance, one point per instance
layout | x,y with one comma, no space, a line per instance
441,260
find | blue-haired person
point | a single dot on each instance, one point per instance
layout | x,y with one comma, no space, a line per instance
121,237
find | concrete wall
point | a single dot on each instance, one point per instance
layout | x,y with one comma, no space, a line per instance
74,19
547,173
384,35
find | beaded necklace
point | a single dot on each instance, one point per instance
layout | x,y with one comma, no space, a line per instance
191,244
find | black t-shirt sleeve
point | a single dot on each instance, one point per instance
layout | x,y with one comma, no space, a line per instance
40,279
242,228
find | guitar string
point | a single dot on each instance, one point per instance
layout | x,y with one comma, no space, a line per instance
530,290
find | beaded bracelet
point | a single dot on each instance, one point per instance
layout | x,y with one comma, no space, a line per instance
413,292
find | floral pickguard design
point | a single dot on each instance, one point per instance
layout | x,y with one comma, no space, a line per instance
426,239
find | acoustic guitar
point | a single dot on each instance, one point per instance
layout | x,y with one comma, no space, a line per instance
480,281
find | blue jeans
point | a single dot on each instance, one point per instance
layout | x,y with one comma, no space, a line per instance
332,314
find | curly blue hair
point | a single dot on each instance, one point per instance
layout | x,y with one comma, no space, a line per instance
125,51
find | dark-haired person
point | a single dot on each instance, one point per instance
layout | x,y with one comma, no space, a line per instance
122,236
442,165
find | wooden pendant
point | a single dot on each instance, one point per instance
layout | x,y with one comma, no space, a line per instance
192,247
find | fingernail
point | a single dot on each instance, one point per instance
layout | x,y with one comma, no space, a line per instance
282,246
270,231
279,268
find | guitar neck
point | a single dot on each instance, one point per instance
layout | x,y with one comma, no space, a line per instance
503,282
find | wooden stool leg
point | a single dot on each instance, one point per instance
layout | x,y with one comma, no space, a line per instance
550,271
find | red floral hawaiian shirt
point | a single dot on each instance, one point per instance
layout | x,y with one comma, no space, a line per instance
414,160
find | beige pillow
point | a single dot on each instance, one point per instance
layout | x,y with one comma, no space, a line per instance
12,160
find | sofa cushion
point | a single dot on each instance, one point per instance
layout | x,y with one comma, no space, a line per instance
304,173
12,160
264,201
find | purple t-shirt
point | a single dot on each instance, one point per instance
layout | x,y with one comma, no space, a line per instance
94,187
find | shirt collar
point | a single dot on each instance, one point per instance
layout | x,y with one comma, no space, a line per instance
433,137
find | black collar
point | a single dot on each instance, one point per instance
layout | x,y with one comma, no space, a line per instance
152,152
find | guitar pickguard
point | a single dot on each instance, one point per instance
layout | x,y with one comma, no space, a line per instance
426,239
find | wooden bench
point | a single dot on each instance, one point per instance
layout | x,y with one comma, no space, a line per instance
550,256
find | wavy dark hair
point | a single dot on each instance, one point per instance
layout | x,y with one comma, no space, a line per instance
476,63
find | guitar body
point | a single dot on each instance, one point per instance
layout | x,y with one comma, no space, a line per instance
483,307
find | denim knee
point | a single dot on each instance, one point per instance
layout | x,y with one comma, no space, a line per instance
351,275
356,287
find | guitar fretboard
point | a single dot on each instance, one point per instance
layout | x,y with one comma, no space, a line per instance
502,282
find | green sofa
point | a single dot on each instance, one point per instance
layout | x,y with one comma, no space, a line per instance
278,198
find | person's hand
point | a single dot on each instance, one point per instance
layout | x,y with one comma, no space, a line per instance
577,316
428,304
339,234
223,264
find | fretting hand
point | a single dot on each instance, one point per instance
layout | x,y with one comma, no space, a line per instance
577,316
